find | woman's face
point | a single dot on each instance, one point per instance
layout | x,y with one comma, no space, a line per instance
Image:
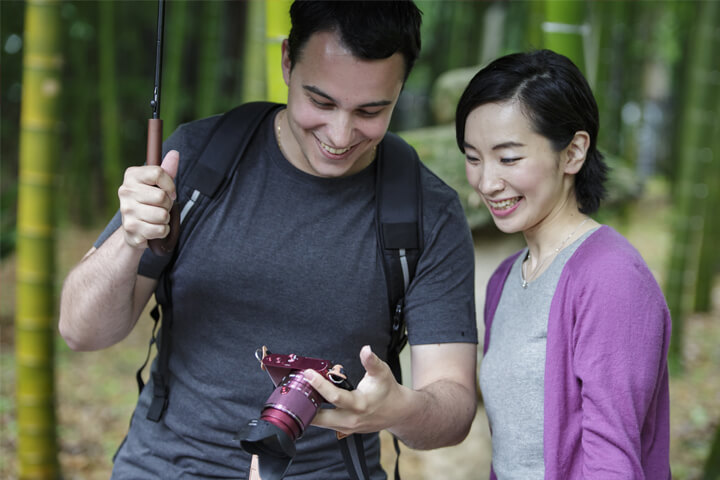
519,176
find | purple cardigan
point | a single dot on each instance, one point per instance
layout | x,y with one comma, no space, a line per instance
607,406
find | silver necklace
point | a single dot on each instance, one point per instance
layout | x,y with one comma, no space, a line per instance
529,278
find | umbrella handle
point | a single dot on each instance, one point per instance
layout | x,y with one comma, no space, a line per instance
161,246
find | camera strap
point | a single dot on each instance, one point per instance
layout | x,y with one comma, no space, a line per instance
353,452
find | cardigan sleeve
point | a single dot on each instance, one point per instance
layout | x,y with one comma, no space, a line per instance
619,343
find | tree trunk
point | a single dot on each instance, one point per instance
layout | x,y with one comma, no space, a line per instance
109,108
277,27
34,321
688,214
208,84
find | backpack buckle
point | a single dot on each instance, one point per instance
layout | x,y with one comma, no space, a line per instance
397,318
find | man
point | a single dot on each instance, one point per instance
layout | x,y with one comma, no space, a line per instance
287,257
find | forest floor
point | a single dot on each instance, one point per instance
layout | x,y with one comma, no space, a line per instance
96,391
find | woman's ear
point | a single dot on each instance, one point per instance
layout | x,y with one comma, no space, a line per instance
576,152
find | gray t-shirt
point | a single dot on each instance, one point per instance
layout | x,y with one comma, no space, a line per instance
512,373
288,260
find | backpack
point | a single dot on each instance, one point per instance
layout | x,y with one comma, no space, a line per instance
398,220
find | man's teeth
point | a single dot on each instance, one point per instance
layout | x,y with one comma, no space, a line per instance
334,151
503,204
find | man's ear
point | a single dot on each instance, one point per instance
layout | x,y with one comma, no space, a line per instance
286,62
576,152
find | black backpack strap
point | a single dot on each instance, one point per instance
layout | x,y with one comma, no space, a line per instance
399,227
223,151
398,210
161,385
218,161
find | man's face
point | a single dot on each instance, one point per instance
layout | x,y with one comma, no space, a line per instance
339,106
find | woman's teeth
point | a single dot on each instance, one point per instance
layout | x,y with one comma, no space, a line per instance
504,203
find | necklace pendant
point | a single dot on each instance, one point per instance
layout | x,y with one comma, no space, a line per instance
524,284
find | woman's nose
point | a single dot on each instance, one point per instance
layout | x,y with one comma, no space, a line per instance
490,180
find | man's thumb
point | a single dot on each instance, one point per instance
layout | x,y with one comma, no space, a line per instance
170,163
370,361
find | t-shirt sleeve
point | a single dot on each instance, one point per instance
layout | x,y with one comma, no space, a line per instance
440,302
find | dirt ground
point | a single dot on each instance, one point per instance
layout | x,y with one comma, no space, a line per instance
96,391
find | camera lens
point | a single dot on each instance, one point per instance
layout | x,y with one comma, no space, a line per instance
292,405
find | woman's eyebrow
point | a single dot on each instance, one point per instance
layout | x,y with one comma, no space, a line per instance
509,144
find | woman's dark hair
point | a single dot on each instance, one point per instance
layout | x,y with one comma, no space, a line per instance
371,30
557,100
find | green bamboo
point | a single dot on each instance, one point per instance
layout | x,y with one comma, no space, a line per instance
277,26
173,102
612,19
709,259
77,197
533,25
254,85
208,86
34,326
711,471
564,27
109,107
694,122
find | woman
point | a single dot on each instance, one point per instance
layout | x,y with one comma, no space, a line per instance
574,376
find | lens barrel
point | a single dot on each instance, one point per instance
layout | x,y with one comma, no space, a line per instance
292,405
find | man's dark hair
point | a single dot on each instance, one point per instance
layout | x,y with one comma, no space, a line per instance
371,30
557,100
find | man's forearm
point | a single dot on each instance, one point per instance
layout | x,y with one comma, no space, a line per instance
438,415
96,306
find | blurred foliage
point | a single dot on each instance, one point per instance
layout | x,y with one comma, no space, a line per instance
624,37
636,58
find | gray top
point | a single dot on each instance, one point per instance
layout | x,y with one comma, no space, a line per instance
288,260
513,369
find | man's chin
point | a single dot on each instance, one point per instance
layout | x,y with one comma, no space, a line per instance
330,169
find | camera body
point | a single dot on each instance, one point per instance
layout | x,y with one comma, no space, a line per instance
288,411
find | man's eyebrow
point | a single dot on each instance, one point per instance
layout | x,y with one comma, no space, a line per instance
317,91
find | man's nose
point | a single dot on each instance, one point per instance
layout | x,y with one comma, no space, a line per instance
340,131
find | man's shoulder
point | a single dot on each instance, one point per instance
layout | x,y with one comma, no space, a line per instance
191,138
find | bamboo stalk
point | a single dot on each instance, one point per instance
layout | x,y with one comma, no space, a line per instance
564,29
687,213
277,27
34,321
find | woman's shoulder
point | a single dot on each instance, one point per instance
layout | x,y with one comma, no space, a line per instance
607,260
606,246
